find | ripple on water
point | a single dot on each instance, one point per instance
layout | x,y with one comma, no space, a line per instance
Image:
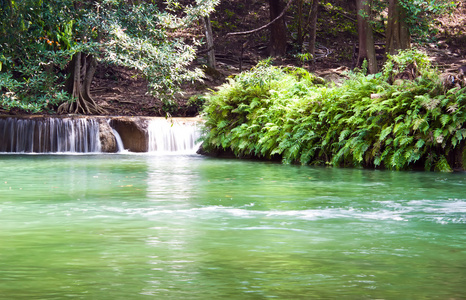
453,211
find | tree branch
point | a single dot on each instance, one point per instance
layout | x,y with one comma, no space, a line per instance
345,15
266,25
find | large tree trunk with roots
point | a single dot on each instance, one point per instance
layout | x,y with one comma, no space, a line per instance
278,44
82,69
398,36
366,37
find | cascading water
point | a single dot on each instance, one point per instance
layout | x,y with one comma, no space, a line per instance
173,136
85,135
119,141
49,135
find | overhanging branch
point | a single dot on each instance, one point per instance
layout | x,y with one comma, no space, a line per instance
266,25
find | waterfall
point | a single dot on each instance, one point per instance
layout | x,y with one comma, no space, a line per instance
173,136
49,135
119,141
85,135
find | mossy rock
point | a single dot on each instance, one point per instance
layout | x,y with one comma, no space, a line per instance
213,73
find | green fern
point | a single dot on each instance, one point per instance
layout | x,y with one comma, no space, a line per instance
288,112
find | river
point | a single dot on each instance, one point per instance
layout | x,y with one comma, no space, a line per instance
145,226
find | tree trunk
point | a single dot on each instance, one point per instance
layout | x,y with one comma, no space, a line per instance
210,42
278,44
82,70
397,32
299,38
366,37
313,27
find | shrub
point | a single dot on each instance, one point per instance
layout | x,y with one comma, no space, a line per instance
365,122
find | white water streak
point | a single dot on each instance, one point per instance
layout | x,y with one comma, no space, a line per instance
49,135
119,142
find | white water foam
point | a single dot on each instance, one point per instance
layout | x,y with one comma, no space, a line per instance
170,136
452,213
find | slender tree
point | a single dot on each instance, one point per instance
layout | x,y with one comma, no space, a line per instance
209,42
313,27
300,35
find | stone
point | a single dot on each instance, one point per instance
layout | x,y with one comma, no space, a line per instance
107,138
133,132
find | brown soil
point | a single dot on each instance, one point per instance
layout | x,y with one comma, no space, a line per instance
122,92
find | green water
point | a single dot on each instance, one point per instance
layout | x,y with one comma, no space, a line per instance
189,227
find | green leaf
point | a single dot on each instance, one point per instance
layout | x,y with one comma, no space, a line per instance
385,132
444,119
344,134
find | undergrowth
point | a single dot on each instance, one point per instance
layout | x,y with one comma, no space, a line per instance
368,122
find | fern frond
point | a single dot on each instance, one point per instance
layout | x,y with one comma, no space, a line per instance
444,119
385,132
442,165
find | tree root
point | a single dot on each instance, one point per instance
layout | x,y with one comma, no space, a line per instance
82,69
82,105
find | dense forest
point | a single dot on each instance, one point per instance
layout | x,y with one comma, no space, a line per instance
364,83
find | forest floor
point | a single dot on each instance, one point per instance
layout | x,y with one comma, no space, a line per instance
123,92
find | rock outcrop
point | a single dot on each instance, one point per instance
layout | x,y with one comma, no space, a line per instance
133,132
107,138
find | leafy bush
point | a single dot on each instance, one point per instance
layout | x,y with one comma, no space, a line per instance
366,122
36,94
408,64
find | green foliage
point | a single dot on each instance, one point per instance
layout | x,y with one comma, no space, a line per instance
196,102
413,61
303,57
141,37
39,38
420,14
367,121
22,94
169,106
36,44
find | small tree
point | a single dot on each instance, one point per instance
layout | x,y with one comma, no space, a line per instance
313,27
420,14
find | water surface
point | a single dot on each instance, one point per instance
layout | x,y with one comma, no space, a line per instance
190,227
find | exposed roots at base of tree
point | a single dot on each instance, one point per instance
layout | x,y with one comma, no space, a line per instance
82,69
82,105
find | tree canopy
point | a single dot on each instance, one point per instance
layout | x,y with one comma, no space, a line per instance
49,49
39,39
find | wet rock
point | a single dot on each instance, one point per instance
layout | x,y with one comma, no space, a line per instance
460,158
133,133
107,139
